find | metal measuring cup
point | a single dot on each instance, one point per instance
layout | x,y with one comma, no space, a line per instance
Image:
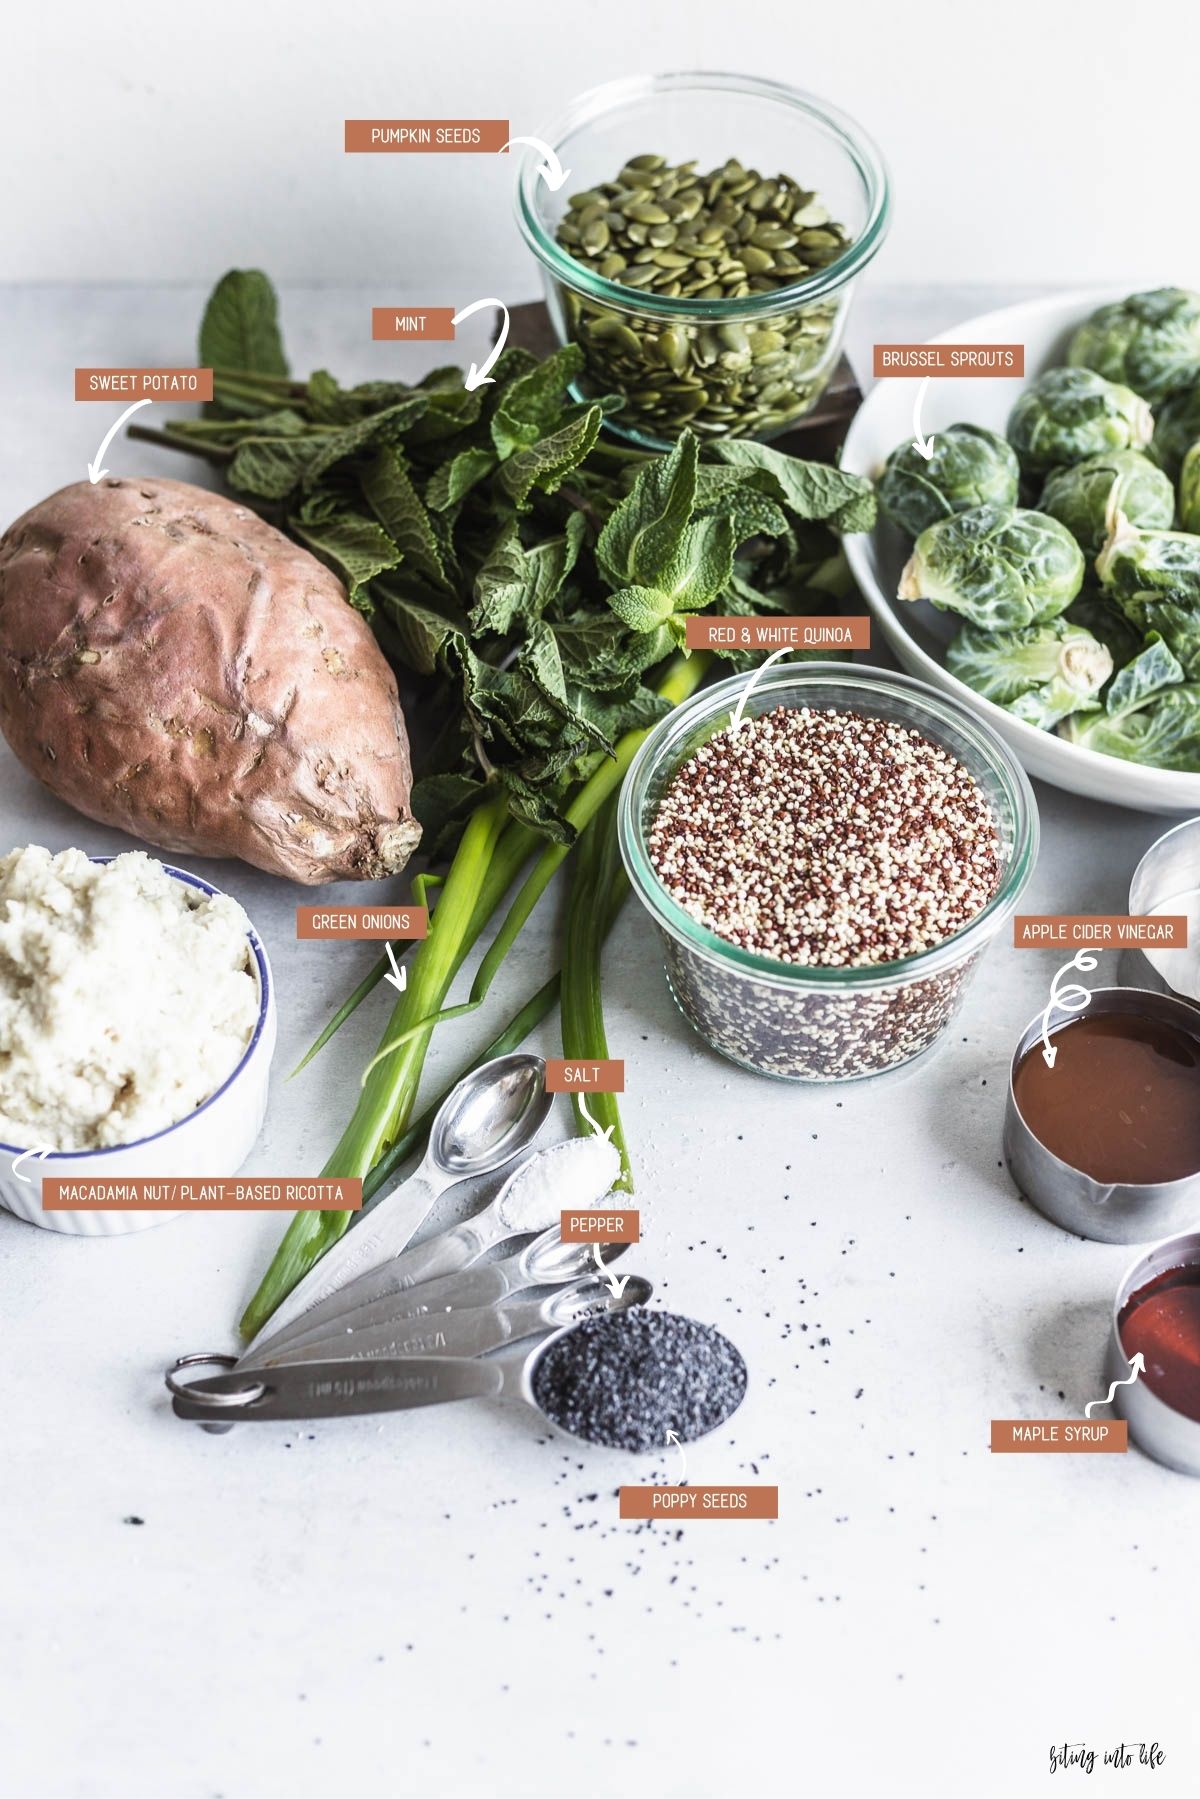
1169,869
1124,1212
1157,1428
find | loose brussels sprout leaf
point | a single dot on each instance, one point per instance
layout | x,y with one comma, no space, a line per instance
1189,490
995,565
1099,613
1040,673
1138,682
1149,562
1176,429
1071,414
970,466
1150,342
1085,498
1163,734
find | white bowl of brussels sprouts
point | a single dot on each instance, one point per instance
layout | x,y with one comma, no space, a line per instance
1043,565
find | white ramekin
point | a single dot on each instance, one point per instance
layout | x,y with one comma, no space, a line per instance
211,1143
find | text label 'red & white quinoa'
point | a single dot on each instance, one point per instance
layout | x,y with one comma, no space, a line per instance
826,839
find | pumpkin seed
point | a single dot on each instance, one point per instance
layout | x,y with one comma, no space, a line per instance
718,237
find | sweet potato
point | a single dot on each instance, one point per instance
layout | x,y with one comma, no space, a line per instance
171,664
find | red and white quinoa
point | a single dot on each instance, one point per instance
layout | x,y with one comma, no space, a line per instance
826,839
823,839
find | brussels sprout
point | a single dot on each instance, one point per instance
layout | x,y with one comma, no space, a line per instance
1150,342
1189,490
1086,497
970,466
1164,734
1071,414
1040,673
1166,563
1099,613
1176,429
1176,622
1146,718
996,565
1140,680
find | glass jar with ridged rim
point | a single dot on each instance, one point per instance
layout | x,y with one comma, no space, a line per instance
737,337
811,1023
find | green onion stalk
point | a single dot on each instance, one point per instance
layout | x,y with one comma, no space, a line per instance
596,868
489,856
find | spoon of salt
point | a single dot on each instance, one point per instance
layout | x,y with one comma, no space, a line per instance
568,1176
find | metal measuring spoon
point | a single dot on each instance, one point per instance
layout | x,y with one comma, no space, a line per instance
446,1253
493,1114
546,1262
472,1332
338,1389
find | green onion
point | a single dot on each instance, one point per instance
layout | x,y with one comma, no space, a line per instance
596,869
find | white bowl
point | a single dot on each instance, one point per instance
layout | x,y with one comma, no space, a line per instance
916,634
212,1142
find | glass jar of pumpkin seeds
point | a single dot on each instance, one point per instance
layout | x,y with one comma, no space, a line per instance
703,248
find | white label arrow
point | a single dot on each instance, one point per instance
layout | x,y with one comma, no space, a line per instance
922,445
581,1102
398,976
616,1283
28,1155
735,723
1071,998
1138,1364
673,1437
550,169
95,471
477,376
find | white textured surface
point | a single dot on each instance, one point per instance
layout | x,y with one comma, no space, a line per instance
1033,142
444,1603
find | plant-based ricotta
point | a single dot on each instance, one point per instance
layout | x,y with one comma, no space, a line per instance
127,997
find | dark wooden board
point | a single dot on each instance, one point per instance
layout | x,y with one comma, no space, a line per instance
819,436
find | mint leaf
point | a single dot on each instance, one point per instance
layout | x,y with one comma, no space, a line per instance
642,608
416,632
271,468
811,490
530,407
515,583
440,803
355,545
598,655
547,463
455,479
387,426
643,534
401,511
701,565
240,327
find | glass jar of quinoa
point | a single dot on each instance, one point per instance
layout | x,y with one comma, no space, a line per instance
826,875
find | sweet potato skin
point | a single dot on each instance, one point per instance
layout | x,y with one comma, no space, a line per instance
173,665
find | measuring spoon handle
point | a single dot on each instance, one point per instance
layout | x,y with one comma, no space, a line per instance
418,1306
385,1231
460,1333
338,1389
443,1254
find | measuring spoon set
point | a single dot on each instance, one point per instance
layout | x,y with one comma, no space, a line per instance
380,1326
